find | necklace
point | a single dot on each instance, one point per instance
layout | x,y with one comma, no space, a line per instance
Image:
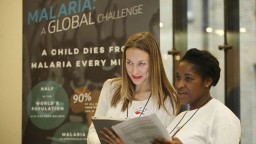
142,109
188,119
183,124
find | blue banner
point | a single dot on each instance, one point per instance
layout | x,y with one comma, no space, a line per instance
70,47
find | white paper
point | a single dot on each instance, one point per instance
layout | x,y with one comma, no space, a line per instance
141,130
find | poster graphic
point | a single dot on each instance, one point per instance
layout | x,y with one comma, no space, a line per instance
70,47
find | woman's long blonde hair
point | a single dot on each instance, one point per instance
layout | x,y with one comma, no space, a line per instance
160,85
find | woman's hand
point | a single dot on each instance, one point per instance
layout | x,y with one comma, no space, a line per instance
110,137
173,140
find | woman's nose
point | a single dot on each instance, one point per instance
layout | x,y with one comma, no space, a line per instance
135,70
179,84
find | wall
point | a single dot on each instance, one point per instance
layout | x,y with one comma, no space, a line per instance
11,70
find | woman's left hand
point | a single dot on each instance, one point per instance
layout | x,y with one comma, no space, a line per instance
110,137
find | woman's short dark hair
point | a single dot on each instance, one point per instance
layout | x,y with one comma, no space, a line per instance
205,64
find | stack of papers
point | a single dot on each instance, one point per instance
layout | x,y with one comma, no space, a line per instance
141,130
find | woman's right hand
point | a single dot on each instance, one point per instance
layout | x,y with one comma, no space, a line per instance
110,137
173,140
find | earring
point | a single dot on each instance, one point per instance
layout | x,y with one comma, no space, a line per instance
206,86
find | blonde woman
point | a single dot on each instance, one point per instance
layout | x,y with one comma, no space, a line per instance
142,89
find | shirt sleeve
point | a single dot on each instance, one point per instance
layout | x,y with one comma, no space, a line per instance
92,137
166,115
226,128
222,134
101,110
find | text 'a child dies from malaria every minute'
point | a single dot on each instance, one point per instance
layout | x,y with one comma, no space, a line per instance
79,63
